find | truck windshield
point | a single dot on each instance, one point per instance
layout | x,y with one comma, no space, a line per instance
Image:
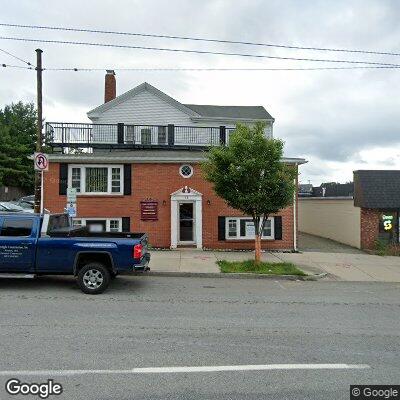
57,222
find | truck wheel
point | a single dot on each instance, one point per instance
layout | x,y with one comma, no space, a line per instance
93,278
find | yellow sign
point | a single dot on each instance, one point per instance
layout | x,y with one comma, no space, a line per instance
387,222
387,225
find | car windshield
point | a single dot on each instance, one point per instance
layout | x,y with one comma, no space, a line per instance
26,205
6,206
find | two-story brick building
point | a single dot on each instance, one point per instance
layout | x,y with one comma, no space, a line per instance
137,168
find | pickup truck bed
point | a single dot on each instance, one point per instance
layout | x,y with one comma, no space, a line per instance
42,245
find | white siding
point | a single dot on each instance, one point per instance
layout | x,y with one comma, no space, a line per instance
268,130
144,109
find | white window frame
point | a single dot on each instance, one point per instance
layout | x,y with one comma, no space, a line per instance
191,171
72,178
109,179
108,222
248,237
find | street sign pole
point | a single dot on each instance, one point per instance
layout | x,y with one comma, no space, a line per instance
41,165
39,139
41,191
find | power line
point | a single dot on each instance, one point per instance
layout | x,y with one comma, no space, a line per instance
51,69
194,51
199,39
14,66
16,57
218,69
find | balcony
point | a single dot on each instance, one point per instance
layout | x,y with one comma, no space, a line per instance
120,136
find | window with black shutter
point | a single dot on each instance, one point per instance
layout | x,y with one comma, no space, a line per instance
278,227
126,224
127,179
63,179
221,228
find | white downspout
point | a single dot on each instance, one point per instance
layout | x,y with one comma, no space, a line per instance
294,212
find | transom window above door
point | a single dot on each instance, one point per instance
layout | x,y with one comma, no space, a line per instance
96,179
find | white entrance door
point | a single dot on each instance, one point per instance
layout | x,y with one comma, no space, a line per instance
186,218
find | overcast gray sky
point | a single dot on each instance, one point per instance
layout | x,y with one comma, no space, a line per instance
339,120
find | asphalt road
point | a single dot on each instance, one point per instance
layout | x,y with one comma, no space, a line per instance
146,321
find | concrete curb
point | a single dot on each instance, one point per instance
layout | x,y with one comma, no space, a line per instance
238,276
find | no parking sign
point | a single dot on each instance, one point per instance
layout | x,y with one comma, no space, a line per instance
41,162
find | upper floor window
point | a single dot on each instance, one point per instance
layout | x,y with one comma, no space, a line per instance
146,136
162,135
96,179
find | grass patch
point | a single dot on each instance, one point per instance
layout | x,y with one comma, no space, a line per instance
249,266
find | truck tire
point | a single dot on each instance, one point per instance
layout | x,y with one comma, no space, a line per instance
93,278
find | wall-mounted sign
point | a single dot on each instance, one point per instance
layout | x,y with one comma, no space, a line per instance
149,210
71,210
387,221
71,195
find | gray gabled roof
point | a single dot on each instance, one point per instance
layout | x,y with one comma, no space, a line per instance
377,189
231,112
193,110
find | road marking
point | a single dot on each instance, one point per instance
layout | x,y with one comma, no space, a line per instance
168,370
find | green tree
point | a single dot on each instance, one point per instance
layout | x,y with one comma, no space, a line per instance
17,143
250,176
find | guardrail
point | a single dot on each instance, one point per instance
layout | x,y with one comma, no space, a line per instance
83,135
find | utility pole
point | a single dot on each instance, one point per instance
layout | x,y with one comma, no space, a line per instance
39,138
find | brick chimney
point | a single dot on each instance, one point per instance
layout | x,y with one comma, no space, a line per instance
110,86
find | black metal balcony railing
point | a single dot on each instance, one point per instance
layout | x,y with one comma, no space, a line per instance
81,135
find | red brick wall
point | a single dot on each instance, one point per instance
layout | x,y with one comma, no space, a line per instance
369,227
158,181
110,87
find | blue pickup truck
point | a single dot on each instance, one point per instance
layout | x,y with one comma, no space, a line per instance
33,244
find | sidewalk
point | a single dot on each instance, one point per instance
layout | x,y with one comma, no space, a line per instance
358,267
347,267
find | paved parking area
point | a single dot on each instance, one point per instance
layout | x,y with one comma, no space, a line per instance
309,242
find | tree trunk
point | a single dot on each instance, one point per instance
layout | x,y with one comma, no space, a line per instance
257,258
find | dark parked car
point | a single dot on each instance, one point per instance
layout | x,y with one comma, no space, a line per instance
28,203
7,206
